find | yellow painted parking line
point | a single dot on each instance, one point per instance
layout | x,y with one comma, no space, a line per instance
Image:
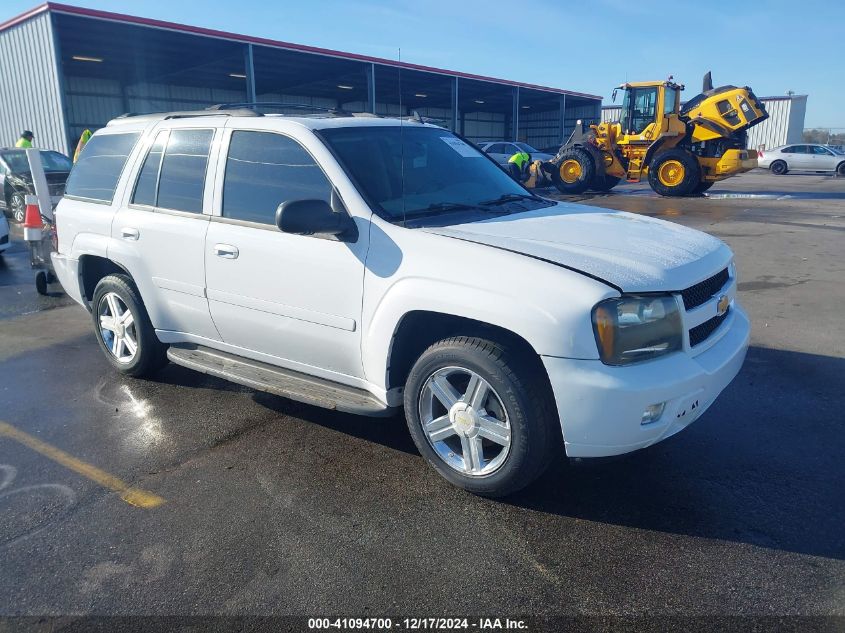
132,496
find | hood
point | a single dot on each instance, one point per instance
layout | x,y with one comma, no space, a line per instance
634,253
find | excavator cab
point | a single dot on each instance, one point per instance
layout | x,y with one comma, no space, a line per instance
647,108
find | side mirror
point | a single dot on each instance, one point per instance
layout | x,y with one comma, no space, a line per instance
314,217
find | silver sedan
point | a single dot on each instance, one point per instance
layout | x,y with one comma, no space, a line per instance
802,157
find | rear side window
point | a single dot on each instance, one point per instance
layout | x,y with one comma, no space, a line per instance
183,166
100,164
264,170
146,188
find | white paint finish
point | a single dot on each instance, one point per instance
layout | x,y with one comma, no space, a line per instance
331,308
633,252
601,407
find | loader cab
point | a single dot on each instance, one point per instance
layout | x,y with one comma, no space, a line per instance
646,108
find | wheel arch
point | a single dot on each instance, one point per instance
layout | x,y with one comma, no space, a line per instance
92,268
419,329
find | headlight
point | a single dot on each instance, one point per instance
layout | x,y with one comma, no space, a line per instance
634,328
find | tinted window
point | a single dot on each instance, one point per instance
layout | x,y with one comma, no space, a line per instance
525,147
788,150
51,161
147,185
669,97
263,170
182,178
421,171
100,164
818,149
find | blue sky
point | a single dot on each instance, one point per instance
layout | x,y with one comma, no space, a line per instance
772,46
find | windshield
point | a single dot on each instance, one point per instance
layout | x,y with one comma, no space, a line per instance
525,147
51,161
441,172
837,150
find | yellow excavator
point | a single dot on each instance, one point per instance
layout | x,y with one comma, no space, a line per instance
682,150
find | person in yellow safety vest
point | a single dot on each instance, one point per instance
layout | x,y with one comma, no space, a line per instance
517,165
83,140
25,141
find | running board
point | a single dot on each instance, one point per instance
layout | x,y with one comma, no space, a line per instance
281,382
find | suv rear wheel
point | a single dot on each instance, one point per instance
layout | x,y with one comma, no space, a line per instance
123,328
480,415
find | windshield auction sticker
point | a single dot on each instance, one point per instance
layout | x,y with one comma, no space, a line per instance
459,146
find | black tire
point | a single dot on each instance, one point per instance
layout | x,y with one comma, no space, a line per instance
689,177
604,184
17,207
41,283
151,354
703,186
840,169
778,168
573,183
519,388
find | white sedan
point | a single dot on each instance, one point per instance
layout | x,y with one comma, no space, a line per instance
802,157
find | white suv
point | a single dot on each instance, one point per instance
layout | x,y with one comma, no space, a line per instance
367,264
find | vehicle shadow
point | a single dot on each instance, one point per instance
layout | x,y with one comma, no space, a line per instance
763,466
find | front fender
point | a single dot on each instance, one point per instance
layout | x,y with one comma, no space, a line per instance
546,305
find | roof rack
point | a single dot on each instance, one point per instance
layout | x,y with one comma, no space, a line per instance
186,114
249,105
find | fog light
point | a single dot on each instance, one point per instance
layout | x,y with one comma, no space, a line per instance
652,413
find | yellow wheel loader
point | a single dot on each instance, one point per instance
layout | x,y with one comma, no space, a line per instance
682,150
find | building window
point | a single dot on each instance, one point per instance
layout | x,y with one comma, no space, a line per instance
264,170
100,164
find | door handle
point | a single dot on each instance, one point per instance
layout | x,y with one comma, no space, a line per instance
226,251
128,233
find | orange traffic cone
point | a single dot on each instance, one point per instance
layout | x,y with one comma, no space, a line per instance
32,222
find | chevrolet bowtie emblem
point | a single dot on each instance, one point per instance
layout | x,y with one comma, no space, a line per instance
722,305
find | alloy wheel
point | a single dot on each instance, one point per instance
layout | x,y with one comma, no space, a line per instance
465,421
117,327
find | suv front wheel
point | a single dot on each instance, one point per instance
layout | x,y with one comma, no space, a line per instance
123,328
481,415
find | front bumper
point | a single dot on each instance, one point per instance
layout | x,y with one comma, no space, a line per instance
601,407
67,272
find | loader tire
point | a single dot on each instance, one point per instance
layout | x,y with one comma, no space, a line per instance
703,186
575,172
604,184
674,173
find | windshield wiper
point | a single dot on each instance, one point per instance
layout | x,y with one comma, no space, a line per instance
512,197
443,207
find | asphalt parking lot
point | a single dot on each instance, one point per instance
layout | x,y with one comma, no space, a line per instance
258,505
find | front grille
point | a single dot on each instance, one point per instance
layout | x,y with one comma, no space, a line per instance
700,293
700,333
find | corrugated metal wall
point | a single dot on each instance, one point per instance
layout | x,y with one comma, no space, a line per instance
542,129
29,85
784,125
92,102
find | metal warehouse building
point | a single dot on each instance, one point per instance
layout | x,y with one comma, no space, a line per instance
66,68
784,125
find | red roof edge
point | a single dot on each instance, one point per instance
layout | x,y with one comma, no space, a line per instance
23,17
196,30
